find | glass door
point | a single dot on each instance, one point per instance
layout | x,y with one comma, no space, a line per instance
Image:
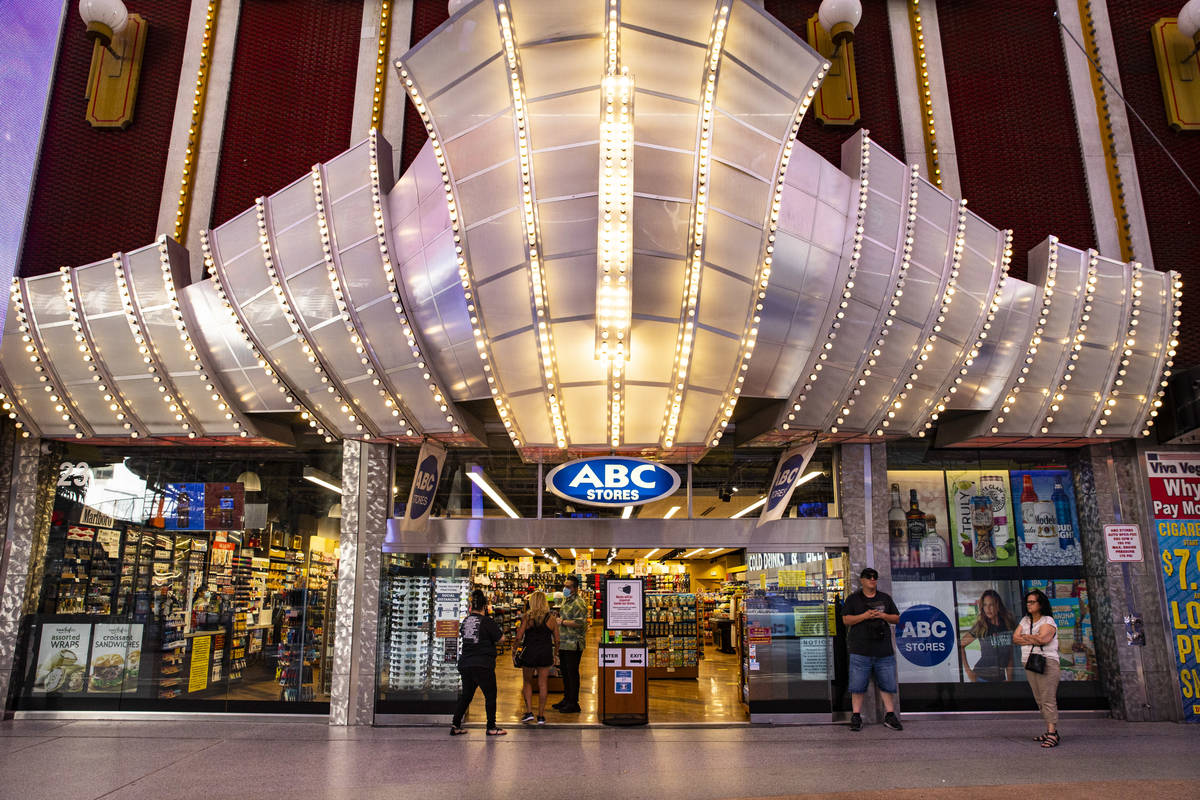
792,657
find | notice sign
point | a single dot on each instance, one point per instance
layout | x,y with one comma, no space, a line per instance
1175,491
198,673
758,635
623,605
622,681
1123,542
445,629
62,658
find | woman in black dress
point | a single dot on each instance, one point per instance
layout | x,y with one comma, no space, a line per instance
539,632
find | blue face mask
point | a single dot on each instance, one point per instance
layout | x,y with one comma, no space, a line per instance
566,591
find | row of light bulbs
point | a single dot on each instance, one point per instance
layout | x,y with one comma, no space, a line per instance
192,150
864,169
1126,346
222,405
537,282
354,416
366,356
972,353
917,30
115,401
464,273
63,405
1076,342
876,351
1176,306
309,415
389,274
896,401
691,290
1035,341
763,279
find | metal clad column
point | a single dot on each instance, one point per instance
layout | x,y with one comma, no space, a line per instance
366,495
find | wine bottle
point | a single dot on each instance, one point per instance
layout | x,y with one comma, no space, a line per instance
914,521
897,529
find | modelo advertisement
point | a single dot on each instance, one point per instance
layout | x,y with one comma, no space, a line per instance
1175,497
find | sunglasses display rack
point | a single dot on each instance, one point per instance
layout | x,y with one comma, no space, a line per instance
408,600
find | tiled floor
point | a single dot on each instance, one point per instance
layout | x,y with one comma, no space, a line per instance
939,759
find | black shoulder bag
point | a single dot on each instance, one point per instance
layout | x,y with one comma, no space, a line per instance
1036,661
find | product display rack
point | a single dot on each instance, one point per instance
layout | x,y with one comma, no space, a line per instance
672,635
677,582
172,675
297,649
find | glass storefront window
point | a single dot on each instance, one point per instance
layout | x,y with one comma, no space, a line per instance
970,533
186,579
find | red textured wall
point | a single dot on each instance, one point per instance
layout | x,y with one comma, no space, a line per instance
291,97
97,191
427,15
1172,206
1019,158
876,72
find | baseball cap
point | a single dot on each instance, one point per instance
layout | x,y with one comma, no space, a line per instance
869,572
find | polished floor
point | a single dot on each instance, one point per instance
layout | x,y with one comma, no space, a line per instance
711,698
201,759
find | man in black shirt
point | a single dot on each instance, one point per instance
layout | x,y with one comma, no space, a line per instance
867,614
477,664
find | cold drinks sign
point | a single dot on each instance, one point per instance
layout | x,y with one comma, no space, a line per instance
1175,493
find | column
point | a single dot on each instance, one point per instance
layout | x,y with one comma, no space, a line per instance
863,504
366,495
1111,489
399,31
28,527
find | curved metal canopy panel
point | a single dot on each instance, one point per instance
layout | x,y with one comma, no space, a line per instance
614,235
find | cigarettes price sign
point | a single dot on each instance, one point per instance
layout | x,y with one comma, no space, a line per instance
1175,493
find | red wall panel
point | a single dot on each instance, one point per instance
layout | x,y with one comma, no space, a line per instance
1019,159
427,15
876,73
1172,206
291,96
97,191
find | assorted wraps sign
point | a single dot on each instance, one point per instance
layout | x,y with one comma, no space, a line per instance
787,478
424,487
612,481
1175,495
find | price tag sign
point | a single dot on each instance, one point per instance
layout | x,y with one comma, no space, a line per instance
1123,542
1174,479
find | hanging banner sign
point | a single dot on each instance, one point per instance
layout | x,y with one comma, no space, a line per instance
610,481
1175,494
424,487
787,478
583,565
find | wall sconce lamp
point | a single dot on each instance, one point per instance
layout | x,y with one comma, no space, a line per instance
118,42
831,33
1177,53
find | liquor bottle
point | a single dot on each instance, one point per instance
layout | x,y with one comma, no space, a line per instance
897,529
1029,501
982,522
914,524
1062,516
182,510
933,547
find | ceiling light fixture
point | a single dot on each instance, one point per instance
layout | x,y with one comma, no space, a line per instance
627,513
756,504
314,475
672,511
697,550
481,480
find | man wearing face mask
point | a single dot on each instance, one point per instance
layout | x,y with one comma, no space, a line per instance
572,634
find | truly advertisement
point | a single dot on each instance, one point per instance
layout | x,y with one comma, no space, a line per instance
1175,497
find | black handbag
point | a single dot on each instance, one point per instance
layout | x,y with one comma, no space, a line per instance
1036,661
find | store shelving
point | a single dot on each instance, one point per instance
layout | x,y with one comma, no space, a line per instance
672,635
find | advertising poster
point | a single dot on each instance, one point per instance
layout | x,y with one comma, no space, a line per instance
1069,605
1045,516
974,496
987,613
926,651
224,506
62,658
188,511
116,658
917,524
1175,496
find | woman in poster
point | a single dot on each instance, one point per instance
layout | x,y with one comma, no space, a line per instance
993,629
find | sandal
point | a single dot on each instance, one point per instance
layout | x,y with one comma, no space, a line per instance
496,732
456,730
1051,739
1041,737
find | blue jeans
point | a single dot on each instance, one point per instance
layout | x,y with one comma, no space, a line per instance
884,669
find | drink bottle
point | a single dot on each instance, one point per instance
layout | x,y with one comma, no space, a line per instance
1062,516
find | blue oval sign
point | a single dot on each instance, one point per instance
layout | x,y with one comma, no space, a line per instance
612,481
424,487
924,635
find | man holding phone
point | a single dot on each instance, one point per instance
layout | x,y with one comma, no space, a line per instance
868,613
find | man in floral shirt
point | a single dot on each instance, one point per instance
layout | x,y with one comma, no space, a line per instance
572,635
